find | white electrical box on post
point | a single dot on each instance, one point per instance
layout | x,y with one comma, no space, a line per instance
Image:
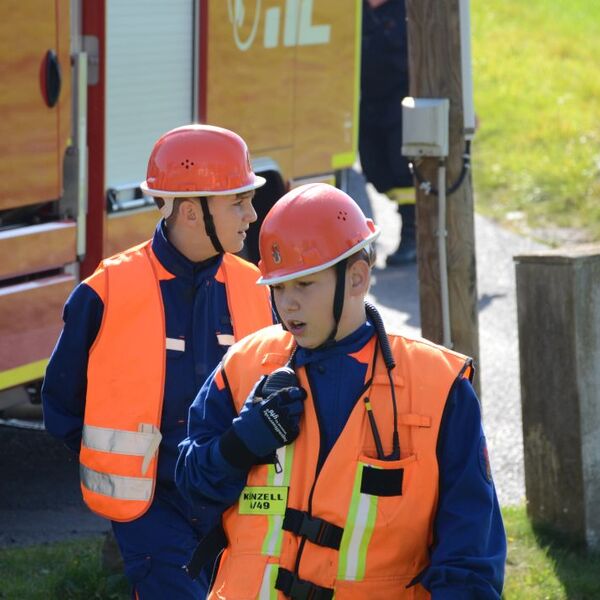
425,126
425,130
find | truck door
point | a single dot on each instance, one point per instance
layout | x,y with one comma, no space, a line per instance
35,242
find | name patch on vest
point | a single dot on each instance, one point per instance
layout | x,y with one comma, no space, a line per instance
263,500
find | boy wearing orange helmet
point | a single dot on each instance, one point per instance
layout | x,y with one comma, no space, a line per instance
345,461
140,337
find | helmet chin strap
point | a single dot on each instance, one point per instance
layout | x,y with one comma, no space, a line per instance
167,208
274,307
209,225
338,302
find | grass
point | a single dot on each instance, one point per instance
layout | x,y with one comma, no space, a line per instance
62,571
536,155
540,566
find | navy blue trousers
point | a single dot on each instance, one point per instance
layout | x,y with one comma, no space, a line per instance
156,547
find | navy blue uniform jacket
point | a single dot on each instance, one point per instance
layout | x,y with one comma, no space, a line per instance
196,310
469,551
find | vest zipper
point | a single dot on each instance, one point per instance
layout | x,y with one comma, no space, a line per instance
320,462
317,471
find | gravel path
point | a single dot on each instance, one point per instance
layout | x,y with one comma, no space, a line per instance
395,291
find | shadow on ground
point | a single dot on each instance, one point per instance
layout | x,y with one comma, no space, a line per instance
574,565
398,289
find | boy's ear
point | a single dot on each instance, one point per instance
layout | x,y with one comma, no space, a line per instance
358,278
188,210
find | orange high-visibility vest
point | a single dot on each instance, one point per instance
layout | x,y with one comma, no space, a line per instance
362,529
126,373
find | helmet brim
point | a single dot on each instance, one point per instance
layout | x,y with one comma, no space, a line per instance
303,273
257,183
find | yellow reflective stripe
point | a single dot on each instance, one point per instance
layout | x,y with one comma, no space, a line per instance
116,486
267,588
357,532
343,160
23,374
272,542
405,195
357,67
327,178
347,159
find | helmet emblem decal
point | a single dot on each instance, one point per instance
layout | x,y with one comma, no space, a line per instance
276,253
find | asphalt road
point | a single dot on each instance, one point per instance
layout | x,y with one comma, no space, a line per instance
39,489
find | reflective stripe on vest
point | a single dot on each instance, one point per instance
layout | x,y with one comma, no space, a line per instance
116,486
357,535
373,511
144,442
126,375
225,339
272,542
267,589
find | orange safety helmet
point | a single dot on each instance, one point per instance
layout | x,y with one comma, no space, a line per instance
199,160
310,229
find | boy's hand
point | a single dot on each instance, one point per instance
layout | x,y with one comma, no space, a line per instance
269,424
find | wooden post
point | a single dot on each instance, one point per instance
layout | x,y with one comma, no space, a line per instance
558,305
435,72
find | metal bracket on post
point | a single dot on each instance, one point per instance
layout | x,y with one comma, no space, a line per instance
442,236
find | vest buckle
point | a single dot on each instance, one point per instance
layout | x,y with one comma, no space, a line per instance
317,530
299,589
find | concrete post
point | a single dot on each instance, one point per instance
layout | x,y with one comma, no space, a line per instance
558,303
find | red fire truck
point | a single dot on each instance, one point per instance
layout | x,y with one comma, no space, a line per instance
89,85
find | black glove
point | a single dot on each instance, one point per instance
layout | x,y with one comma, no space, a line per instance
273,422
263,424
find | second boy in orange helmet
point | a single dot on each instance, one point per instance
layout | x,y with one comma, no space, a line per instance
140,337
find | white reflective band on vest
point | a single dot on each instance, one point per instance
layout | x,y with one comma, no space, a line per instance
225,339
272,542
357,533
144,442
175,344
116,486
267,589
